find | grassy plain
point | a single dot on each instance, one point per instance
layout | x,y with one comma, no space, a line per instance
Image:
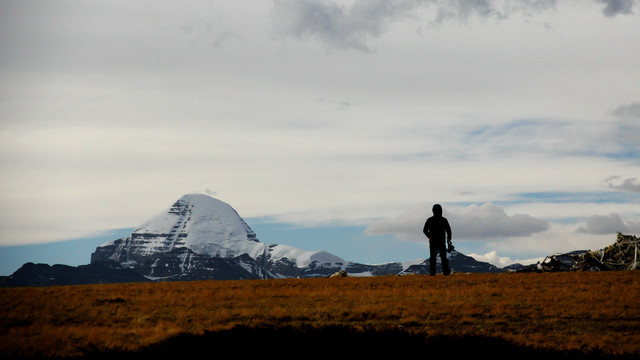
576,313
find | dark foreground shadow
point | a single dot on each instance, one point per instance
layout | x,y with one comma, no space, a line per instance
333,343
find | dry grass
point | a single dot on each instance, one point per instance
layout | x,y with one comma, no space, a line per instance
588,312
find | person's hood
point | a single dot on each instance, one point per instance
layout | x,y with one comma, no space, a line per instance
437,210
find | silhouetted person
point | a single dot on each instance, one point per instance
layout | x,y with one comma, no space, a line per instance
438,231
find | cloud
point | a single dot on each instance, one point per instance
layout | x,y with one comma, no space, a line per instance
627,129
210,192
560,238
614,139
463,10
335,24
352,27
633,226
490,221
109,114
492,257
617,7
487,221
406,226
609,224
522,135
628,110
630,184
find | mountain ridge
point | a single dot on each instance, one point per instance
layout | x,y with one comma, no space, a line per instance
199,237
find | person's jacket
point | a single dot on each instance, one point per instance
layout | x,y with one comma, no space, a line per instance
437,229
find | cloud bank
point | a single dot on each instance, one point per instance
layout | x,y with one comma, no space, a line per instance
341,26
475,222
609,224
335,24
616,182
617,7
352,25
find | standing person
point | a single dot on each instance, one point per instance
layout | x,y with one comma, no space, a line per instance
438,231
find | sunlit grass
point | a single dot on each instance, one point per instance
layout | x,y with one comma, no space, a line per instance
559,311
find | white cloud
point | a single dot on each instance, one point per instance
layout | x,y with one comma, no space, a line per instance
491,221
558,239
492,257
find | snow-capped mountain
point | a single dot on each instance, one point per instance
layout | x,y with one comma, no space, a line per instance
198,234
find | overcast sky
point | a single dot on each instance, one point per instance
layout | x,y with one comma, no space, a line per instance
522,118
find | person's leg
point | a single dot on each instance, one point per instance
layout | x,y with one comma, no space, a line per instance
433,253
445,261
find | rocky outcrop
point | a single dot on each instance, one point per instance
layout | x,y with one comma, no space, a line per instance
623,254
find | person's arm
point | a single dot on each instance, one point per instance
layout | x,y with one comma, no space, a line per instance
427,230
448,229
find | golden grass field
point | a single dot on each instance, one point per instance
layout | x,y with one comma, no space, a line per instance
575,314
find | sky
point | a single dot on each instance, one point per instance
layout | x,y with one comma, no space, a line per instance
328,125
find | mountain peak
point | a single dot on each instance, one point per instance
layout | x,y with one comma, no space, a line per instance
197,222
198,231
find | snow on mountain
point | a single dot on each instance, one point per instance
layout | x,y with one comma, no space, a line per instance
200,223
304,258
205,226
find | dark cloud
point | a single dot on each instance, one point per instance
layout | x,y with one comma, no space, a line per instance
617,7
352,27
616,182
335,24
466,9
463,10
628,111
609,224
